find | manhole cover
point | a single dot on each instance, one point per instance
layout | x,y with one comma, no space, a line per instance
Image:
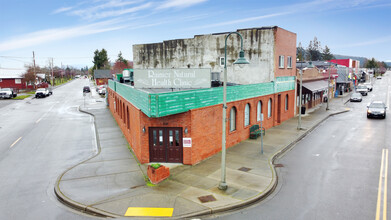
244,169
208,198
278,165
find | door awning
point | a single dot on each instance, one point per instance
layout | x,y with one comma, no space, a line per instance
316,86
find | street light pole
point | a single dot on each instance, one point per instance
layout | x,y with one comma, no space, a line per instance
241,60
328,92
300,95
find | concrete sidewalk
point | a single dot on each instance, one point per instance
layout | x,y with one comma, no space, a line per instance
113,180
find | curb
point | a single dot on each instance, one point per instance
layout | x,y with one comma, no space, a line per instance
73,204
269,190
272,186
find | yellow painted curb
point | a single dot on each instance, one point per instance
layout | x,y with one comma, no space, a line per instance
140,211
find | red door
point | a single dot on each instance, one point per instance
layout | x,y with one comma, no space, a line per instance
165,145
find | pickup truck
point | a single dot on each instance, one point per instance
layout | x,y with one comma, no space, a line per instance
363,89
7,93
42,93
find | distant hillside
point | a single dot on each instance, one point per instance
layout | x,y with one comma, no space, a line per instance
361,59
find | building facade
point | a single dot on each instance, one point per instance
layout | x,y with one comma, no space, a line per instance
14,82
184,126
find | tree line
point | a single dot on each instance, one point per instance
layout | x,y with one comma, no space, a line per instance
101,61
314,52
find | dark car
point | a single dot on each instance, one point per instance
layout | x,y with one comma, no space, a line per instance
86,89
356,97
376,109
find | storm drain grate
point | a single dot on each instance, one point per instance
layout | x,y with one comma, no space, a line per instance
208,198
278,165
244,169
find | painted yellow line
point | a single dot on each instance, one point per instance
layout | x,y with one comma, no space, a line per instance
15,142
385,189
379,189
140,211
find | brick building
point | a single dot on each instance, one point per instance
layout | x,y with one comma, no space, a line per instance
184,125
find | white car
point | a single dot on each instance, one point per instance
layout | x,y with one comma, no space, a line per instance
369,86
7,93
42,93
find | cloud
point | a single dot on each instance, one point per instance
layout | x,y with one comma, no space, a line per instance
243,20
367,43
107,9
50,35
179,3
60,10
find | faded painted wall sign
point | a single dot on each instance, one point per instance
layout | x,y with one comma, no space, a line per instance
172,78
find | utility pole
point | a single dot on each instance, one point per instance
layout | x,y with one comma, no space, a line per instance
52,74
35,74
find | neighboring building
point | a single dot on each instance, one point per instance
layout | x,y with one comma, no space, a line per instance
315,83
102,77
16,82
184,125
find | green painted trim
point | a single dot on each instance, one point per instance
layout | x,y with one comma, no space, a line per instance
163,104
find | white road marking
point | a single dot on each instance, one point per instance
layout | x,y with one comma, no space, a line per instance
15,142
44,115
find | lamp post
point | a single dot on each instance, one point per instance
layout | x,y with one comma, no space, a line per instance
328,92
241,60
300,94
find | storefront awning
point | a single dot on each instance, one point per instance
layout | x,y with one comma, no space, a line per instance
316,86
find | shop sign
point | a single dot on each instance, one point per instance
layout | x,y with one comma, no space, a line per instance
186,142
172,78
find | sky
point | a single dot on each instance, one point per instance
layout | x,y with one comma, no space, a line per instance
69,31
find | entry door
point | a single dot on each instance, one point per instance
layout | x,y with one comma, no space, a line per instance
165,145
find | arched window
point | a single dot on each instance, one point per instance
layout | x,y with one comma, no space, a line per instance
286,102
232,119
269,108
127,117
123,112
247,115
259,111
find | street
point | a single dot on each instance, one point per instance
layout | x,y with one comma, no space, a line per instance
40,139
334,172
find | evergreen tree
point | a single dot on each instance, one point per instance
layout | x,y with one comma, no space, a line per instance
121,59
371,64
327,55
100,59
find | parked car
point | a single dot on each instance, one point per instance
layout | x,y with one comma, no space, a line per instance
86,89
376,109
378,77
102,91
369,86
8,93
356,97
42,93
100,87
362,89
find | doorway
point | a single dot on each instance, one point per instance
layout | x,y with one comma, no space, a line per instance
165,145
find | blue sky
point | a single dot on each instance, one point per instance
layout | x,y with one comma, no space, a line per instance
70,31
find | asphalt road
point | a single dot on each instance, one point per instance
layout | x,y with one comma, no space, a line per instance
40,139
333,173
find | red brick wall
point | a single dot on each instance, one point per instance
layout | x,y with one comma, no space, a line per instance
204,124
285,44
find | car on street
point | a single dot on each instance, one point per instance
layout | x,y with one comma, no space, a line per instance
376,109
8,93
102,91
369,86
86,89
42,93
378,77
356,97
362,89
